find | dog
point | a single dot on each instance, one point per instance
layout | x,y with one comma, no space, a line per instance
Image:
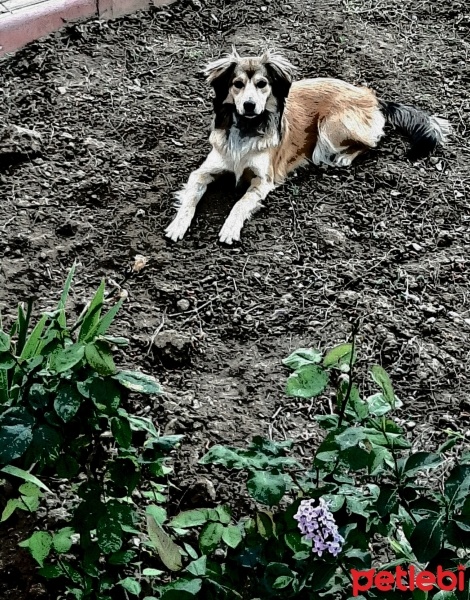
265,125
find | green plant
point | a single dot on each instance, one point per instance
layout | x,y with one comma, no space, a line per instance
375,485
63,414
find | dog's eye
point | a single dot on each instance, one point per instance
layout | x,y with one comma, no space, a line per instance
261,84
238,84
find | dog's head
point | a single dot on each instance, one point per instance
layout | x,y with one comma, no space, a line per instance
250,86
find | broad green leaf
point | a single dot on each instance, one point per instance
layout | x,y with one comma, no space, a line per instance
278,575
358,506
67,467
269,446
381,378
109,535
189,518
92,315
152,572
122,557
46,445
116,341
7,361
38,396
22,324
445,595
266,487
30,494
419,461
131,585
339,356
378,405
4,388
33,342
138,382
100,358
198,567
10,508
321,574
457,486
16,433
51,571
63,359
448,444
4,341
223,455
105,323
225,514
165,547
67,402
387,500
302,357
427,537
210,537
17,472
39,545
62,540
121,431
232,535
350,437
190,550
64,296
307,382
282,582
176,589
157,512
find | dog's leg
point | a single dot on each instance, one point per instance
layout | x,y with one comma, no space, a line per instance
244,208
192,192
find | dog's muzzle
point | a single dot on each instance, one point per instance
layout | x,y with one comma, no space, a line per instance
249,109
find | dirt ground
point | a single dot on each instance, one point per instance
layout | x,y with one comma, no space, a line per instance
124,113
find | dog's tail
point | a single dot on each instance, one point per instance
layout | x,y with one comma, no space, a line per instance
425,131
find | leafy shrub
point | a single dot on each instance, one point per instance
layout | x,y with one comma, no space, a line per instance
376,487
364,501
62,414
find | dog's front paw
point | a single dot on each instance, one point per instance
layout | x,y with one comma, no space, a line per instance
231,230
178,227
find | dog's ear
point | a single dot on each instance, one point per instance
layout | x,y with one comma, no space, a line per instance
280,72
220,72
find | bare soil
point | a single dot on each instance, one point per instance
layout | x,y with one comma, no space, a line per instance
124,116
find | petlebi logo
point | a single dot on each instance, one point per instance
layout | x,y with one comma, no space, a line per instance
408,580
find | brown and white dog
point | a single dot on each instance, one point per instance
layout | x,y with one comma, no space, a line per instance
266,126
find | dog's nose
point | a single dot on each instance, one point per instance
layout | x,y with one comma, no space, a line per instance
249,107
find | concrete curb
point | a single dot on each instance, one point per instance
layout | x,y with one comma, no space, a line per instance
25,25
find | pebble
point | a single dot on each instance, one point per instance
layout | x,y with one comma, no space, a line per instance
183,304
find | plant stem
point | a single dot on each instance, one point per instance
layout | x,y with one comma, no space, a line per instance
345,401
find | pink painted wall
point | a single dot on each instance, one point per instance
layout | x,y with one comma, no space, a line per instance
28,24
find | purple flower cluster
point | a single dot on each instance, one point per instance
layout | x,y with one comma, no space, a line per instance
318,524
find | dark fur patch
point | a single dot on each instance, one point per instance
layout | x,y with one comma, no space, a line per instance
413,122
221,86
257,126
223,116
280,85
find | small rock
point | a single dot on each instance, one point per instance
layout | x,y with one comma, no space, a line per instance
183,304
172,348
